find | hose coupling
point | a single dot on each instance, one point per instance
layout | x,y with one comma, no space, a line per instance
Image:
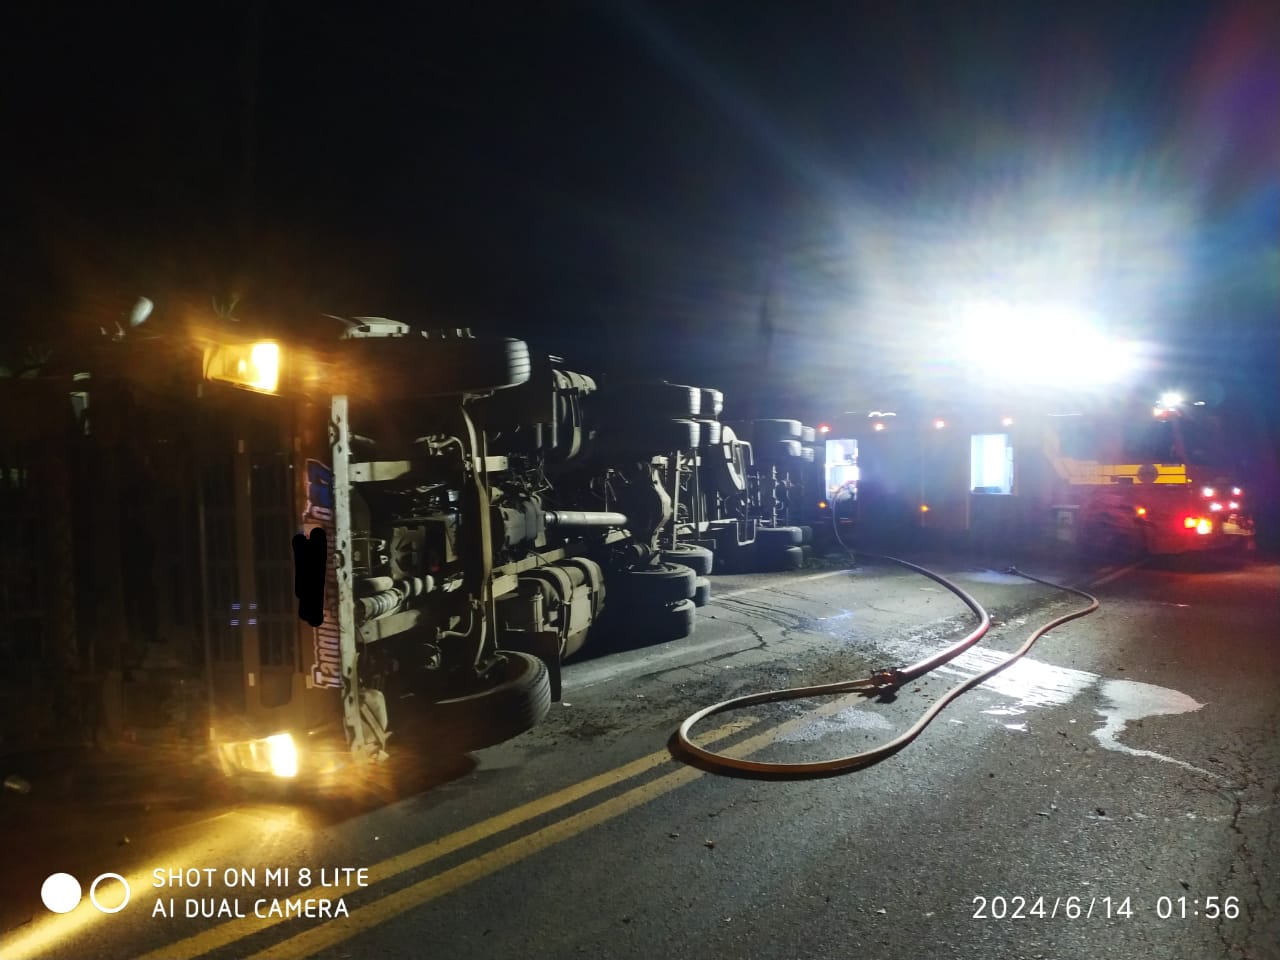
888,677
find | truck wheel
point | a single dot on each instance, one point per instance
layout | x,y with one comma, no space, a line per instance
806,534
778,451
518,700
808,434
791,558
712,402
711,433
663,584
414,366
767,431
698,559
649,438
656,399
786,558
770,539
654,623
702,592
675,621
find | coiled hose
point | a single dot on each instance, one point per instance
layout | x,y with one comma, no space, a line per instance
880,681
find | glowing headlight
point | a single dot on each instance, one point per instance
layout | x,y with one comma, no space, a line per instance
276,755
255,366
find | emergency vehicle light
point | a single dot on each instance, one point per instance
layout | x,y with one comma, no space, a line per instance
254,366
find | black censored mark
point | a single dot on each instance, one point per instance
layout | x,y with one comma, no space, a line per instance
309,555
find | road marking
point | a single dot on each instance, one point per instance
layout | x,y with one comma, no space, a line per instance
813,576
227,933
364,918
1116,574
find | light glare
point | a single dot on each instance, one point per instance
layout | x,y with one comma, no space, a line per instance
282,755
1047,345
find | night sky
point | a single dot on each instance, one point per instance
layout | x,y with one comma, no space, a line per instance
775,198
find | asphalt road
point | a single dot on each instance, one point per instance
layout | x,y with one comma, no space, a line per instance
1112,795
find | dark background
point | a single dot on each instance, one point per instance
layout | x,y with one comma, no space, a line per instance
764,197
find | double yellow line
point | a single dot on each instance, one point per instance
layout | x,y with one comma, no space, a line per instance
379,911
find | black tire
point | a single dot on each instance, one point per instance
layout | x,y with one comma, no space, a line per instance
702,592
518,700
712,402
791,558
710,432
656,623
672,622
402,368
650,586
672,400
777,451
808,434
766,431
650,438
698,559
806,534
806,549
774,539
808,454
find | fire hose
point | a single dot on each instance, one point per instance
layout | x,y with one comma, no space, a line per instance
879,682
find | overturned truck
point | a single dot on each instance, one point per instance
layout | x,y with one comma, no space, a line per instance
484,515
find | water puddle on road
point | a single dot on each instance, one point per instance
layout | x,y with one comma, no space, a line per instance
992,576
1128,700
1032,683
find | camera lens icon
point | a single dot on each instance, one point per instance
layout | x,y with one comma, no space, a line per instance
61,892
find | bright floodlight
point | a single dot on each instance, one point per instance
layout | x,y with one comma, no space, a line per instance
1171,399
1049,345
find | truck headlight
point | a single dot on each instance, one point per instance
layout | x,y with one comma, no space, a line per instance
254,366
276,755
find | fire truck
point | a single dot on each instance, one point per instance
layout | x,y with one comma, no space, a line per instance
1120,480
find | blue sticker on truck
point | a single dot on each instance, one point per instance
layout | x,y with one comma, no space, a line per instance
326,668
